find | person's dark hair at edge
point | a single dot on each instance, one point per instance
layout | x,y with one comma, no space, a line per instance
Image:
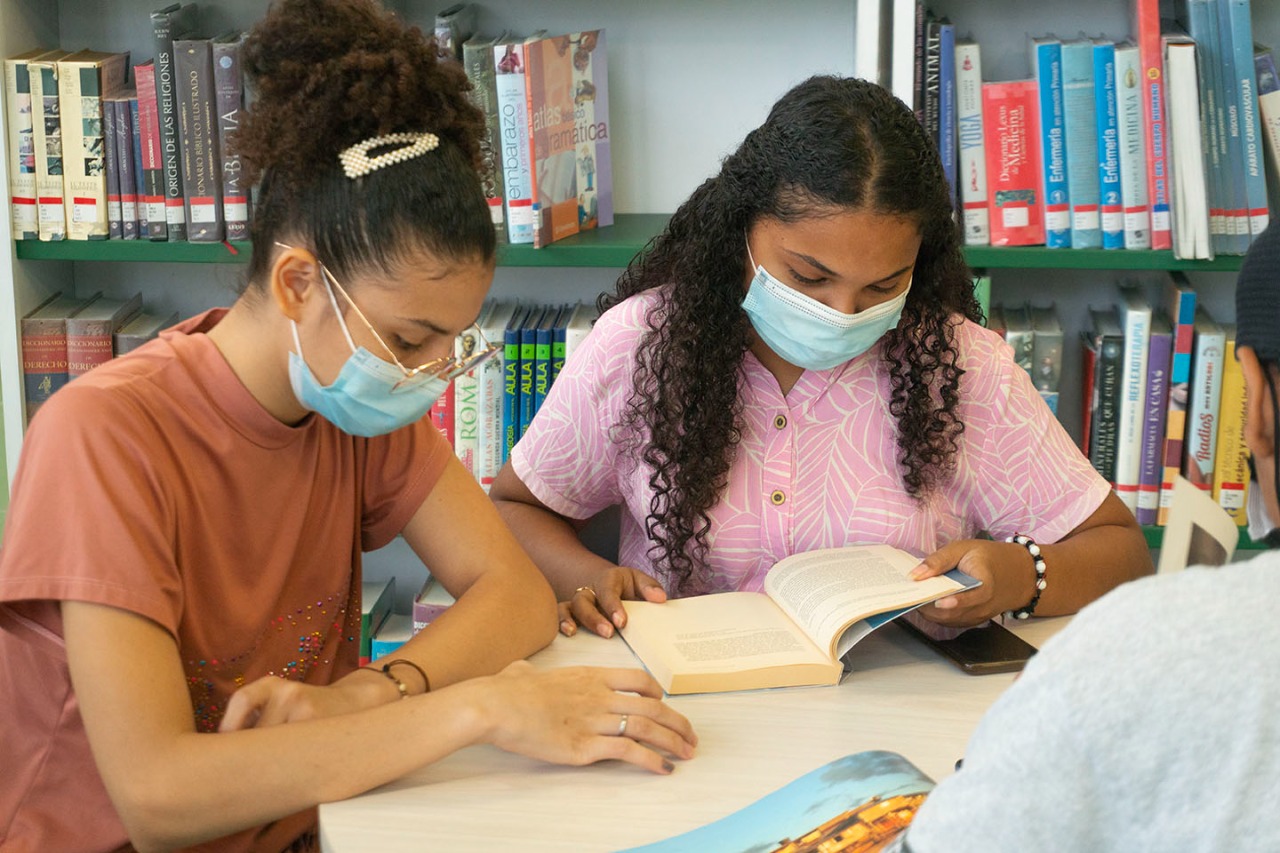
326,75
829,145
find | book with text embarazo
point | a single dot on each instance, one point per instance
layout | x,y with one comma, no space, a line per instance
814,608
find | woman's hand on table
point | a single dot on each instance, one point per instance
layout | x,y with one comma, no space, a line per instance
580,715
272,700
1005,569
598,607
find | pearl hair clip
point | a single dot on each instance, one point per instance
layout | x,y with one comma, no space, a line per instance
356,161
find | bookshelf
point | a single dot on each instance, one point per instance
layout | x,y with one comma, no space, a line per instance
675,116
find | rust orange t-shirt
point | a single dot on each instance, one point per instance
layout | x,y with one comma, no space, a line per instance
159,485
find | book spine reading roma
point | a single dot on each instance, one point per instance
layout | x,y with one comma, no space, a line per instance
509,68
1013,164
1239,28
152,151
83,79
167,24
1159,359
1231,467
1081,127
228,85
111,164
1046,66
1180,299
1133,152
1110,201
972,166
477,59
1135,316
466,401
124,157
22,151
46,129
1146,27
201,162
1206,399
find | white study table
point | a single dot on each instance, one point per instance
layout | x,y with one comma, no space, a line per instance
901,697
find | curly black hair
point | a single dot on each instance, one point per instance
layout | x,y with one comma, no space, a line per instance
830,143
326,75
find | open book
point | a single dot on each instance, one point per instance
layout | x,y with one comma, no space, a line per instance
860,802
1199,531
814,608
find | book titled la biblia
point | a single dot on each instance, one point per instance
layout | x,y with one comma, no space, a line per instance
815,607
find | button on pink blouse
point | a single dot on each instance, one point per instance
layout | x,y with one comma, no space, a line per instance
816,468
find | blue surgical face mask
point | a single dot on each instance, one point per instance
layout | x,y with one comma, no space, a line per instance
370,396
809,334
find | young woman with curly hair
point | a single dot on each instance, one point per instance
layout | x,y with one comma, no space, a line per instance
796,363
180,579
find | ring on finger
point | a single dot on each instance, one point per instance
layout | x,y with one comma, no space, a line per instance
622,726
586,589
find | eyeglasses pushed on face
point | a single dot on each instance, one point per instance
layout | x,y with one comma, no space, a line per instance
476,349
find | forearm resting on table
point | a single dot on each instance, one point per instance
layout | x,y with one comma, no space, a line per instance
1106,551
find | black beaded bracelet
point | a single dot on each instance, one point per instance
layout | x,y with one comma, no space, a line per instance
1034,550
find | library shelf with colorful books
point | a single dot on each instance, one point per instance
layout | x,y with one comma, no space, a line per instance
615,246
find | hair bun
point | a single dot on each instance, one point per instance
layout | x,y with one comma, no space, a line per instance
328,74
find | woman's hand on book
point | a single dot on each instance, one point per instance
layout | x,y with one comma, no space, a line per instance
580,715
1006,572
598,607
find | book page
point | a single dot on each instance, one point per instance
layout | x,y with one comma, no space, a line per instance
1199,532
724,632
826,591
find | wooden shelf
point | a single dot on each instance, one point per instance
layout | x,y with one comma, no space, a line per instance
615,246
1155,536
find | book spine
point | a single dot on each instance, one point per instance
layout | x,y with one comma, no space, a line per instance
1231,467
228,84
162,25
514,122
466,408
1147,30
932,91
491,435
1133,154
44,360
1239,30
201,163
972,166
22,150
1200,22
1110,196
139,179
153,174
528,352
947,103
559,348
89,344
1133,388
1088,399
1046,62
595,160
1106,427
539,129
541,367
919,29
477,59
1268,107
47,135
1009,117
80,88
111,163
124,156
1159,355
441,413
1081,132
1182,310
511,391
1202,410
